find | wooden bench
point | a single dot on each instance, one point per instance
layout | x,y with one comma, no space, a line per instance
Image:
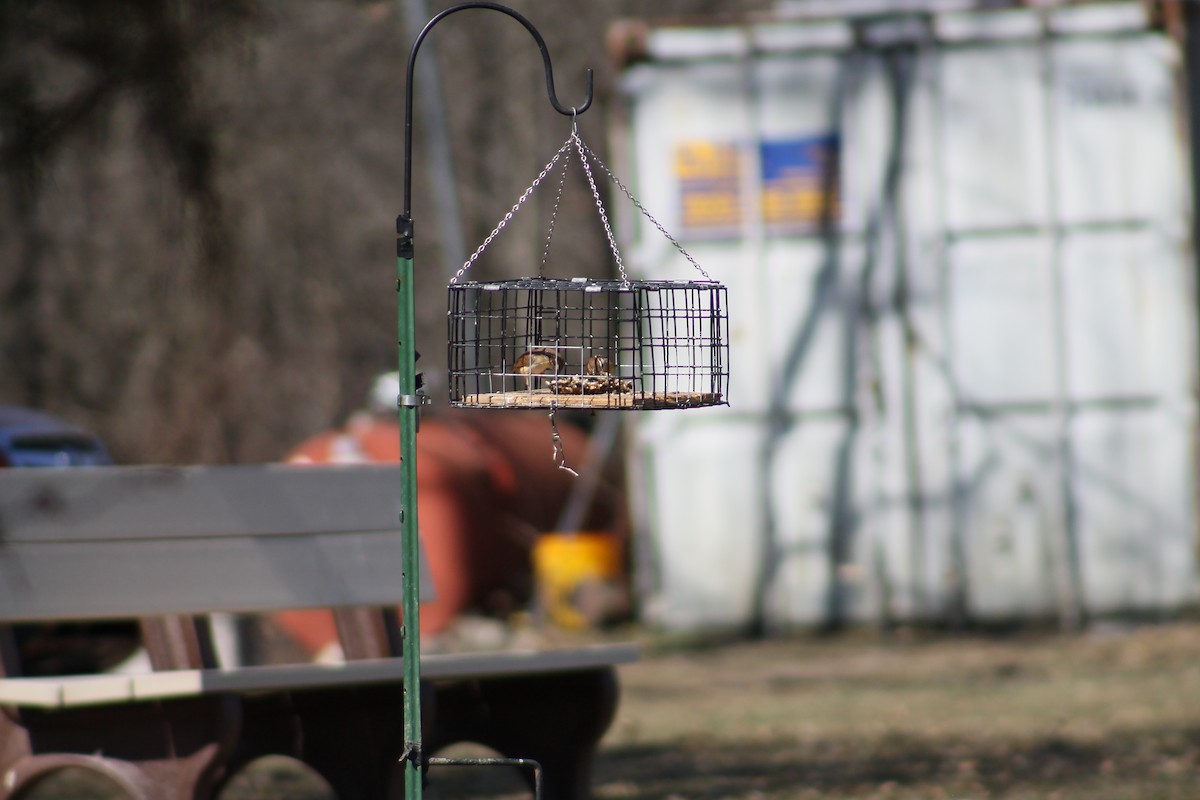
169,546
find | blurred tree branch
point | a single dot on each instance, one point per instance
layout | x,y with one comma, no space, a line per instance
197,200
138,48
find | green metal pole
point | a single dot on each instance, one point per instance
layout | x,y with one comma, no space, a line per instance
409,409
409,402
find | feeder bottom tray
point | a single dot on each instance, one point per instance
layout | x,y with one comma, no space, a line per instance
543,398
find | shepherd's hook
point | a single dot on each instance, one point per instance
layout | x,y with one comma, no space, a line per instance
414,761
571,111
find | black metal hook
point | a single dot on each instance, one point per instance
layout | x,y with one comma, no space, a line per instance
571,111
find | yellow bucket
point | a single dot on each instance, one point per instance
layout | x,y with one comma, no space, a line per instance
567,567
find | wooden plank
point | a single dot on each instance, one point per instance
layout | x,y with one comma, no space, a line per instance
446,666
99,689
99,580
119,542
96,689
68,505
541,398
34,692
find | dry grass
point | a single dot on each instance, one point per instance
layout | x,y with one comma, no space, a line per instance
1111,716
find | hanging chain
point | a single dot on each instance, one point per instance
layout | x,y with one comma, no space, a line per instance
562,180
512,211
608,231
642,208
560,457
586,156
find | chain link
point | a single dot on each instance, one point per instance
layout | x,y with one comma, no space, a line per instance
560,456
562,180
608,231
637,204
512,211
586,156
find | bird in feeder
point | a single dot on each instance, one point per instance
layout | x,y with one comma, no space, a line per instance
597,365
539,361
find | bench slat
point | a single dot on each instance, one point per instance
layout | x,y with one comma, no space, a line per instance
96,580
79,544
112,503
83,690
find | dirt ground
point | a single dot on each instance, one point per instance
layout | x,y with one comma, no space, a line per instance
1110,714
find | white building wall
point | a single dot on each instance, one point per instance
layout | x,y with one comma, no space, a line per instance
968,391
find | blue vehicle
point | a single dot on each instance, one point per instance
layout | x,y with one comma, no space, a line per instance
31,438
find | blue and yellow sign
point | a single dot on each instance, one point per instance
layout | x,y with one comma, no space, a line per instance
800,182
798,179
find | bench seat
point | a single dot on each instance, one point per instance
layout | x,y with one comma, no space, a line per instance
83,690
169,547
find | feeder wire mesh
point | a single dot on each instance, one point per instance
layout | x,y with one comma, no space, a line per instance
582,342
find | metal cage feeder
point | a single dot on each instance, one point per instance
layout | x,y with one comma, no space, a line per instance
588,344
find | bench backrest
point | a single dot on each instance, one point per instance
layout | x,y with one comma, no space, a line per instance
126,542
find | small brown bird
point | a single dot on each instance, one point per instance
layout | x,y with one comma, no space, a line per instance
539,361
597,365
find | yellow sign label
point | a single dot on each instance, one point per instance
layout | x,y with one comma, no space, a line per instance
709,177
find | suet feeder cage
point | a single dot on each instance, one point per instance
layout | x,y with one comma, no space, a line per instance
590,344
587,343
